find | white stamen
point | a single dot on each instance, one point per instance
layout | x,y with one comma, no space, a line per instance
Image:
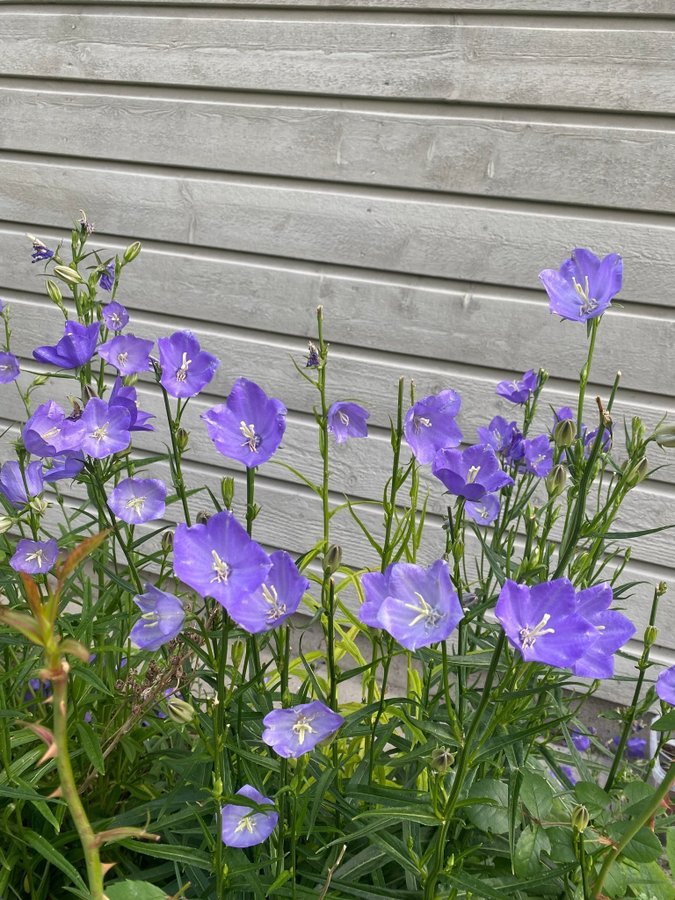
181,374
343,417
277,609
221,568
36,556
301,726
99,433
425,613
122,358
253,440
420,422
528,636
245,824
471,474
136,503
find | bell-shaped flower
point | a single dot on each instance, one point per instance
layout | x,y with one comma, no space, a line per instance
9,368
161,620
13,486
376,589
106,429
115,316
186,368
138,500
292,732
582,739
589,440
34,557
218,559
471,473
584,286
249,426
242,826
125,396
537,456
483,511
518,391
347,420
75,348
543,622
274,601
127,353
429,425
665,685
49,433
500,435
422,607
68,465
612,630
106,280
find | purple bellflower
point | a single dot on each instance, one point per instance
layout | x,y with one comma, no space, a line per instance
589,440
471,473
138,500
274,601
75,348
292,732
68,465
635,747
49,433
12,485
421,607
500,435
125,397
568,772
161,620
115,316
219,559
249,426
543,623
127,353
584,286
106,429
106,279
34,557
186,368
665,685
538,456
518,391
581,739
612,630
41,252
430,426
9,368
376,589
242,826
347,420
483,511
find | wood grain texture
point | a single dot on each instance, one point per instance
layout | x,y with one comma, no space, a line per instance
468,61
585,162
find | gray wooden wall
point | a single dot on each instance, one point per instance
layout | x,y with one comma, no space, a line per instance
411,165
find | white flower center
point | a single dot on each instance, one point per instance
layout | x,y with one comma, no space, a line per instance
36,556
425,613
221,568
343,417
246,823
122,358
303,727
101,432
115,321
136,503
51,433
471,474
277,609
588,303
151,619
528,636
181,374
253,440
420,422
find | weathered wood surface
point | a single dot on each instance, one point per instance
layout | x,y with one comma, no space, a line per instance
525,155
624,68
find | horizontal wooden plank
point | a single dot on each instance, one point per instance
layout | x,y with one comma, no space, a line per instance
468,61
468,153
478,241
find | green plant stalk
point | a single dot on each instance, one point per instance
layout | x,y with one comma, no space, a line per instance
177,453
585,373
252,640
396,437
635,825
219,749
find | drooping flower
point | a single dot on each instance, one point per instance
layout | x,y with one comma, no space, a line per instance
127,353
242,826
218,559
138,500
34,557
105,427
75,348
589,440
581,739
471,473
429,425
313,359
249,426
635,747
49,433
186,368
500,435
518,391
347,420
584,286
161,620
68,465
106,279
115,316
292,732
40,251
538,456
483,511
12,484
274,601
9,368
543,622
125,397
665,685
612,630
422,607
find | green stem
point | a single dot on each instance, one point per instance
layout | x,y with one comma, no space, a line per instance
585,374
177,454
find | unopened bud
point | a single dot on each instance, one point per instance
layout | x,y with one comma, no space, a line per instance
227,491
237,653
54,292
580,819
564,433
167,541
39,505
132,251
651,633
182,439
332,559
661,588
130,380
39,380
664,435
218,788
442,760
179,710
5,524
70,276
639,472
89,392
203,517
556,480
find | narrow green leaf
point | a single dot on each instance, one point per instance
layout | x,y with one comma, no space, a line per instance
91,746
42,846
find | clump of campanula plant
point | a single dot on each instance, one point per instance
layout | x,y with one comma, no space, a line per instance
195,706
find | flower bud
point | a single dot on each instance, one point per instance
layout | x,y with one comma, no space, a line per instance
39,505
661,587
564,433
237,653
580,819
39,380
179,710
664,435
167,541
54,292
442,760
132,251
638,473
332,559
651,633
70,276
227,491
203,517
182,439
130,380
556,480
5,524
